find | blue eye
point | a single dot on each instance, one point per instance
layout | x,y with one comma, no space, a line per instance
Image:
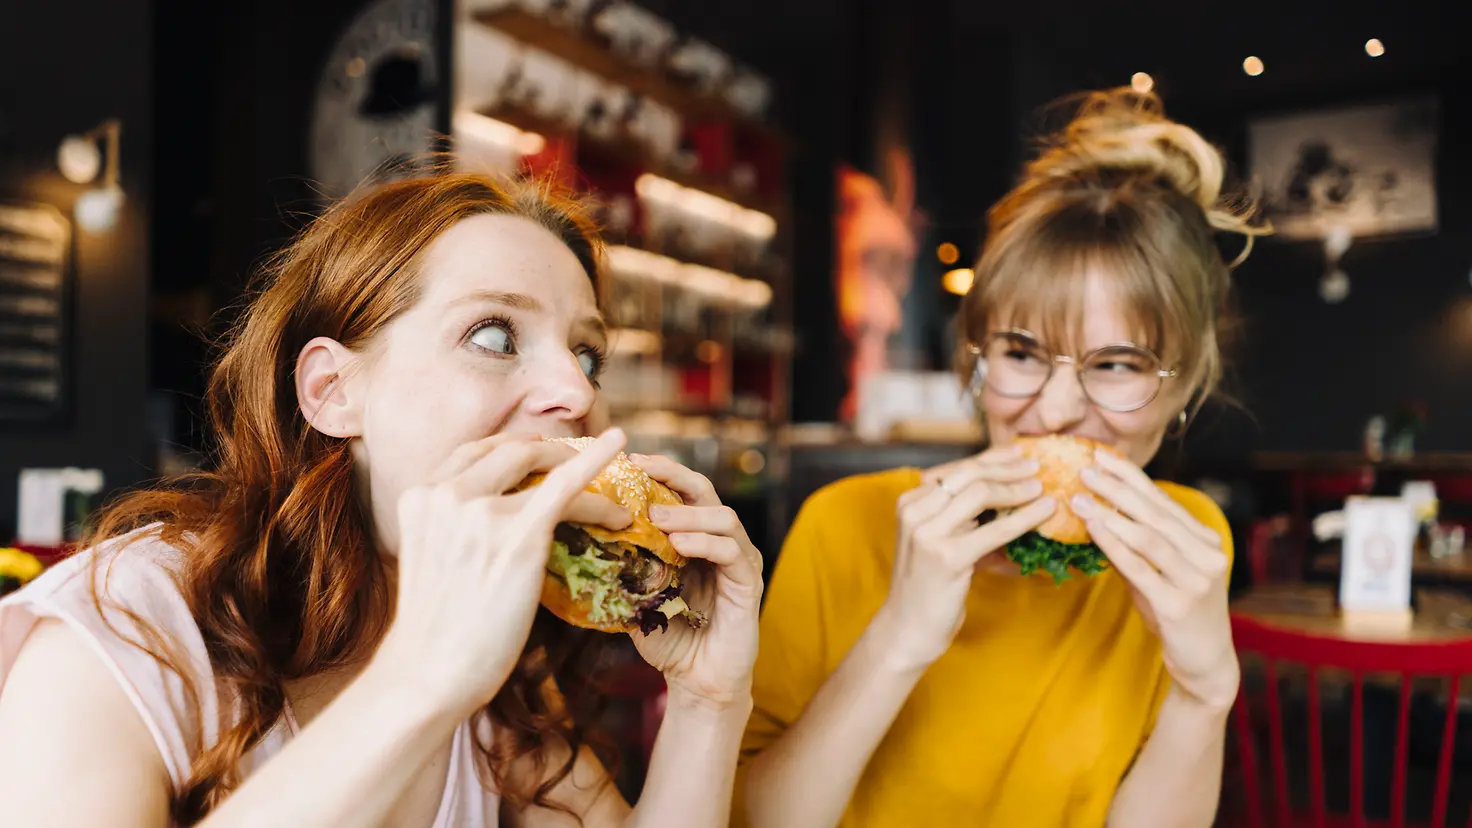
591,361
494,336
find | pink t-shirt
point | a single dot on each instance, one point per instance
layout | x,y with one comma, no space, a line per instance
136,573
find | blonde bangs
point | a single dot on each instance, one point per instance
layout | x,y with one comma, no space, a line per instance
1035,276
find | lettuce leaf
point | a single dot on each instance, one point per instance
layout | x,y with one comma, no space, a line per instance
1033,553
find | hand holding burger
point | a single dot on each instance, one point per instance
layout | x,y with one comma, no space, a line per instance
694,621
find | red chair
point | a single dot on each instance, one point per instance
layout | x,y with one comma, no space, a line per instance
1271,555
1448,660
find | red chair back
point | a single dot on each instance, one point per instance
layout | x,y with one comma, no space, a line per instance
1271,553
1449,660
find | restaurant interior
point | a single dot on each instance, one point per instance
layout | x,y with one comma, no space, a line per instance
793,192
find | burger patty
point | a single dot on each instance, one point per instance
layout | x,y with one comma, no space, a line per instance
643,573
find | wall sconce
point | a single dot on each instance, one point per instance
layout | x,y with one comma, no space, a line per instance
81,158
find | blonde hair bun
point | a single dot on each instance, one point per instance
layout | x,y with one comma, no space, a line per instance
1124,130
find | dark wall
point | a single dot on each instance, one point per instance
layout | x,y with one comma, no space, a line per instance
1312,373
64,68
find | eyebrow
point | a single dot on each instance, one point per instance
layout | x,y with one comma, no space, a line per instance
530,304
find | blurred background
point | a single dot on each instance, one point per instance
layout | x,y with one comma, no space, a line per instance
794,190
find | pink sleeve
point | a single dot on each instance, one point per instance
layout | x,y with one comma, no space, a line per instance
137,578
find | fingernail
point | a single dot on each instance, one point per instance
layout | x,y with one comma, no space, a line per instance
659,513
615,433
1032,487
1032,467
638,458
1009,451
1090,476
1083,505
1047,503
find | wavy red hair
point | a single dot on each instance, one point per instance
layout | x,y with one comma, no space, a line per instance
281,570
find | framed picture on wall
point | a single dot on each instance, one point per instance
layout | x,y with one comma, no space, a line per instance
35,262
1368,168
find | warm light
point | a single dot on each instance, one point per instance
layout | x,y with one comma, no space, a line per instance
708,351
751,462
1142,82
97,210
1253,66
79,158
478,127
720,286
634,342
958,281
753,223
947,253
1374,48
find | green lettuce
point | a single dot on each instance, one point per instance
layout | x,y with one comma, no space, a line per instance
589,576
1033,553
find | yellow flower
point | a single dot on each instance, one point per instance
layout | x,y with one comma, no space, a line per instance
19,565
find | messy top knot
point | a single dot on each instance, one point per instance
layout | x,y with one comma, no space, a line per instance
1120,134
1122,194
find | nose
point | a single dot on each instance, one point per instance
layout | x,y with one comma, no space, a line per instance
1062,403
560,389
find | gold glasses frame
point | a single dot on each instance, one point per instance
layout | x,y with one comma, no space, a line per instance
980,369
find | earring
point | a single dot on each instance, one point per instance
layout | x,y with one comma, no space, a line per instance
978,379
1178,428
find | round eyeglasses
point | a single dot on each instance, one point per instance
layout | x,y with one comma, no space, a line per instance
1119,377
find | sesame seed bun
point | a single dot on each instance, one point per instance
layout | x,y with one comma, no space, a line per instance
1062,458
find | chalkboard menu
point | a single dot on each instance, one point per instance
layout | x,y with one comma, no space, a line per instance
35,256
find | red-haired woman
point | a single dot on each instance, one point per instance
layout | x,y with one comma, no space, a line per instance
338,625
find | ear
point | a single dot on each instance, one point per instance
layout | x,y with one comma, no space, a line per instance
327,390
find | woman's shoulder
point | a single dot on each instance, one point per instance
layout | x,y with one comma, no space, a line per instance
122,599
860,501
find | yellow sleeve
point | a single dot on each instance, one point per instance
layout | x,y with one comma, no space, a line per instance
791,665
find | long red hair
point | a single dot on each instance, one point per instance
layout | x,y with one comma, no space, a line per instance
280,567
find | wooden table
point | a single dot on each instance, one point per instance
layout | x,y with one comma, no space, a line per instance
1441,615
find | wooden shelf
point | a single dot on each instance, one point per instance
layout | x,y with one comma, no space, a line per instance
586,53
627,150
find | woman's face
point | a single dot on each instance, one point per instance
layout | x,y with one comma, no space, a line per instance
1061,407
506,337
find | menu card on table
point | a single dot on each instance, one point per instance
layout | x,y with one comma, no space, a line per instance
1379,538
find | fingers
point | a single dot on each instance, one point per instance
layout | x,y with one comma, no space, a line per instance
1000,456
692,486
1200,545
1150,545
595,509
741,563
983,495
1131,565
563,483
995,534
1148,495
508,464
714,520
469,454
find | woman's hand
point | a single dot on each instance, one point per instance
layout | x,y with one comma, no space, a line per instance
1176,570
471,558
939,545
712,664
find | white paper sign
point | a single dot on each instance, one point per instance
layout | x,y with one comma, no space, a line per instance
1379,538
42,498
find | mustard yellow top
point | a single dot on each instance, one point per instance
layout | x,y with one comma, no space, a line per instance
1033,716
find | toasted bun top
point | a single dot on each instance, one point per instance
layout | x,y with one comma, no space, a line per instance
630,487
1061,459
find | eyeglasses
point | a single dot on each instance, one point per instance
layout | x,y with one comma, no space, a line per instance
1119,377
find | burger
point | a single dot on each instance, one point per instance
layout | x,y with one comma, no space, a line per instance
1061,545
616,581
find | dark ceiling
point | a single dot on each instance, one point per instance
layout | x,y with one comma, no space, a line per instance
1192,49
